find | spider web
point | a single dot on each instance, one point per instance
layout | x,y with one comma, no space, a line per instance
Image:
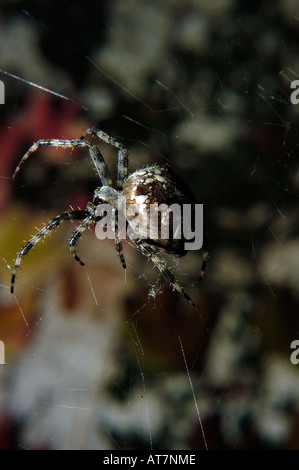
102,359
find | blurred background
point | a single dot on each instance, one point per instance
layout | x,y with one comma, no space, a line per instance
94,358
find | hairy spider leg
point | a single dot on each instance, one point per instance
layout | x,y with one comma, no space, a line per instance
123,160
160,264
92,218
48,143
118,243
73,240
94,153
54,223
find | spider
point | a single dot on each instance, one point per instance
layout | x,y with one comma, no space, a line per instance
154,184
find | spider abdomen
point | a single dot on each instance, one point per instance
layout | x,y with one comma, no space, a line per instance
156,199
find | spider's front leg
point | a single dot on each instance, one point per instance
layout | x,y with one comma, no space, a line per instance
94,152
46,230
123,159
160,264
74,143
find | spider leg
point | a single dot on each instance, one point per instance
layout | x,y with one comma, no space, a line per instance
160,264
84,225
54,223
77,234
94,153
72,143
100,165
118,243
122,167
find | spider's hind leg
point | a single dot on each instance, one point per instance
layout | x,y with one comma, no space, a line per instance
160,264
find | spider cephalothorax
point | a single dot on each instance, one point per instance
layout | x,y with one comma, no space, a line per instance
143,190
